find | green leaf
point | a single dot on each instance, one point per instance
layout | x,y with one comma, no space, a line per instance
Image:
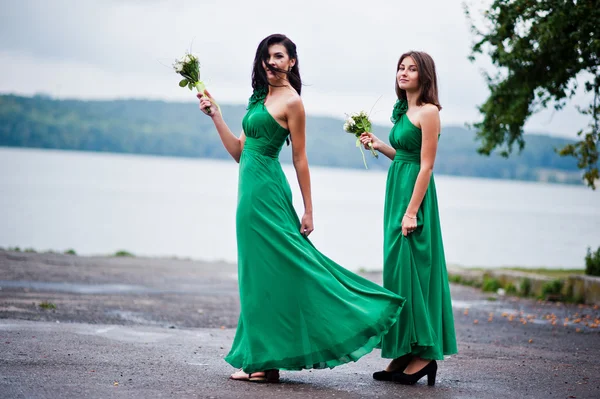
190,86
183,83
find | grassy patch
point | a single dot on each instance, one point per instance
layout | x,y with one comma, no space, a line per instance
551,291
525,287
124,254
47,305
554,273
556,286
511,289
490,284
458,279
70,251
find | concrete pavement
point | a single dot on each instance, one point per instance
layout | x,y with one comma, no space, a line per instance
146,328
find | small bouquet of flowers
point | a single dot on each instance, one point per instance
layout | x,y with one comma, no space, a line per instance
357,124
188,66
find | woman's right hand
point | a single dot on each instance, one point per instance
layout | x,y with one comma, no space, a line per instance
367,138
207,104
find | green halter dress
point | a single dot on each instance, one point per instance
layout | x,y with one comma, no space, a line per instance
415,266
299,309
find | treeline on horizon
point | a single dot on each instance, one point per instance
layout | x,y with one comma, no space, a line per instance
179,129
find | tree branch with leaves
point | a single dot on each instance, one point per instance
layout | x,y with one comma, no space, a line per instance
542,49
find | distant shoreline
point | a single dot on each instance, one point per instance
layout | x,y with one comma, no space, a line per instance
122,253
555,177
162,128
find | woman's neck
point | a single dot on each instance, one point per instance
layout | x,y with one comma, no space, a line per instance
279,85
412,97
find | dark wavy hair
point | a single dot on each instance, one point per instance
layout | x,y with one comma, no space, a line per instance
427,78
259,76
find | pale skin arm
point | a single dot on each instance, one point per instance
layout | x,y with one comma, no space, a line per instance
296,119
233,144
430,129
378,145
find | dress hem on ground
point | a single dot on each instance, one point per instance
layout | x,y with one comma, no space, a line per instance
348,351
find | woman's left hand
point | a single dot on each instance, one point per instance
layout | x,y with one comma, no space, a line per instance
307,226
409,224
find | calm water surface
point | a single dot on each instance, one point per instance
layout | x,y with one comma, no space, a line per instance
98,203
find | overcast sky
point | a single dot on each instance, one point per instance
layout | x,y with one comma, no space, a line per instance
347,50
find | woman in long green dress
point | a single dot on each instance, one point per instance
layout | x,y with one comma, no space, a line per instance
299,309
414,263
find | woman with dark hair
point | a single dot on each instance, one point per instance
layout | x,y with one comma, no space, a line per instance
299,309
414,264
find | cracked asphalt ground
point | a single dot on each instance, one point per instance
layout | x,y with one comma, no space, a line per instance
151,328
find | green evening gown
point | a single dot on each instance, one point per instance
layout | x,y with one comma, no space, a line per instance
299,309
414,266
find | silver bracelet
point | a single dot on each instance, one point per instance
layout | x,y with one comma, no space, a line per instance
410,217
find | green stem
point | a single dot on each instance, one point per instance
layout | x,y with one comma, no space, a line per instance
362,153
373,150
364,159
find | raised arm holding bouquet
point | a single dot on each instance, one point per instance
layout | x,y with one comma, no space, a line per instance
188,67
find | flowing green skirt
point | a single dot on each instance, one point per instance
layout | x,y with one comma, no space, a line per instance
299,309
415,269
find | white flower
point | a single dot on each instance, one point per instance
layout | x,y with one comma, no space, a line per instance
187,59
178,67
346,126
351,122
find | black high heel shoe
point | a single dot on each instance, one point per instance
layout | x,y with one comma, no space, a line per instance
409,379
387,375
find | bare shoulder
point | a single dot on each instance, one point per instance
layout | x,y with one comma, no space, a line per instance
294,103
430,111
430,120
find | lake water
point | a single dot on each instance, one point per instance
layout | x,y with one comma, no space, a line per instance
98,203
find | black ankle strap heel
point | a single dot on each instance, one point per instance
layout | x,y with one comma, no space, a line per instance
410,379
388,375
